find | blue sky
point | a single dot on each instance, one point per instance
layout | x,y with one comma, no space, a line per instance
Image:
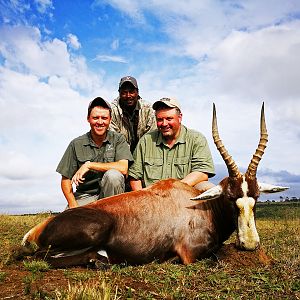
56,56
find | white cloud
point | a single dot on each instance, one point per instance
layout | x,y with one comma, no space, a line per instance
24,50
38,121
43,5
73,41
264,62
111,58
115,44
17,11
264,66
17,6
197,27
31,196
132,8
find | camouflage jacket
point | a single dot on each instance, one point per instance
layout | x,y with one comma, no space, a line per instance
121,123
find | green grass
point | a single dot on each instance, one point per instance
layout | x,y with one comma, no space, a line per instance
79,276
278,210
2,276
35,266
279,229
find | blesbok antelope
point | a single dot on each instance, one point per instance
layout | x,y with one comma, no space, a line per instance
242,190
164,220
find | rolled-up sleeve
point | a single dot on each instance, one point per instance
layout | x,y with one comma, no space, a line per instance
201,160
67,166
122,149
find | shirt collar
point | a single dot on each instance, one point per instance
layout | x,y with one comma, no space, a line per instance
89,140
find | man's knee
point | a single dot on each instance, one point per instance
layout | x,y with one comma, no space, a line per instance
112,183
113,176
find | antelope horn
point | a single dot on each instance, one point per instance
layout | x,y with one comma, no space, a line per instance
252,168
232,168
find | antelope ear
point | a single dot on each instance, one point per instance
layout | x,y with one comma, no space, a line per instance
210,194
269,188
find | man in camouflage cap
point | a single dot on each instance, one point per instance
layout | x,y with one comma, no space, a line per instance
131,115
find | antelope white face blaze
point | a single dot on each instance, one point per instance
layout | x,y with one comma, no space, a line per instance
247,236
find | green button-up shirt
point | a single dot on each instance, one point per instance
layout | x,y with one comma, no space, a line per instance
154,160
83,149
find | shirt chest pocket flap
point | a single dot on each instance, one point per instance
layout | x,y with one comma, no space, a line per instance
182,166
82,158
154,167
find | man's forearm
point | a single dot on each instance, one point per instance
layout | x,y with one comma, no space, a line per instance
121,165
67,190
194,178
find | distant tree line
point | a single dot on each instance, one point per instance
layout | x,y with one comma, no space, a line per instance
285,199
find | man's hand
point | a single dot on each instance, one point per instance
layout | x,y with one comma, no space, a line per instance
135,184
79,175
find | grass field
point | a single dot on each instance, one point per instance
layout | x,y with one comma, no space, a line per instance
278,225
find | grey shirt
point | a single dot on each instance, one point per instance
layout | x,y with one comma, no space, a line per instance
83,149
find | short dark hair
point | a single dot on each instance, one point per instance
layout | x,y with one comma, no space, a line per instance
98,101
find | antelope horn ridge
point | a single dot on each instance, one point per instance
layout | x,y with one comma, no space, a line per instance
232,168
252,168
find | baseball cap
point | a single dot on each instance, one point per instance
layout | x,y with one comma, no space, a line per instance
98,102
170,102
130,79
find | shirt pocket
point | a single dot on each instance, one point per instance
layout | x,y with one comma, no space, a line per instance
109,156
83,158
182,167
154,168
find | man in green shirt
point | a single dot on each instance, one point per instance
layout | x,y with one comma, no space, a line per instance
96,162
171,151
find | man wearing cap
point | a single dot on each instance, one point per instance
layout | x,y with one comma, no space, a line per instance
171,151
95,162
131,115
